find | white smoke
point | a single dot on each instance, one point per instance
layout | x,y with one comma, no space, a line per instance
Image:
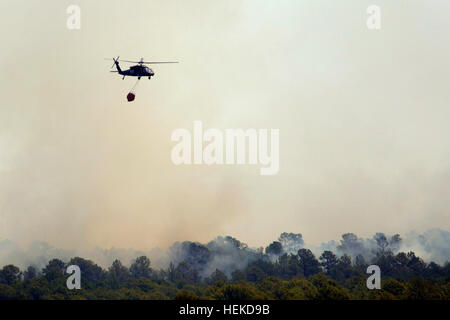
228,254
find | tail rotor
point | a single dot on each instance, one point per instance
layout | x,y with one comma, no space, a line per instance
115,61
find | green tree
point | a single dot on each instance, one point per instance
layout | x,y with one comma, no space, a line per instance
328,261
218,275
7,292
184,272
186,295
274,288
287,266
275,248
140,268
117,273
420,289
10,274
382,241
38,288
30,273
237,275
239,291
394,287
55,269
301,289
344,269
90,272
254,274
329,289
308,262
416,264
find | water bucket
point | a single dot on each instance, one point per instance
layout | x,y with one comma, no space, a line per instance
130,96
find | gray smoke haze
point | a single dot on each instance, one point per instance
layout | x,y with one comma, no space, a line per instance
363,119
432,245
228,254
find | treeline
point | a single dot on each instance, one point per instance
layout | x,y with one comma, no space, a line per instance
290,276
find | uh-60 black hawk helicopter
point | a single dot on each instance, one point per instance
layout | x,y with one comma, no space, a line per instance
139,70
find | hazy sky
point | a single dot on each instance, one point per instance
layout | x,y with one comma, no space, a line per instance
363,118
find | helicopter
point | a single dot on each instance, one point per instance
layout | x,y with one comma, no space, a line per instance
139,70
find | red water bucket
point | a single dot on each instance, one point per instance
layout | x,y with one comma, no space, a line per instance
130,96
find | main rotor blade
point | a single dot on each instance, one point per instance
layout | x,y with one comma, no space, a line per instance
149,62
143,62
158,62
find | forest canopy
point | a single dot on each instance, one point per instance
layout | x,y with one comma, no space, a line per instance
283,270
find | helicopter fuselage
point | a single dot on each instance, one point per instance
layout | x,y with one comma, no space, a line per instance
136,71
